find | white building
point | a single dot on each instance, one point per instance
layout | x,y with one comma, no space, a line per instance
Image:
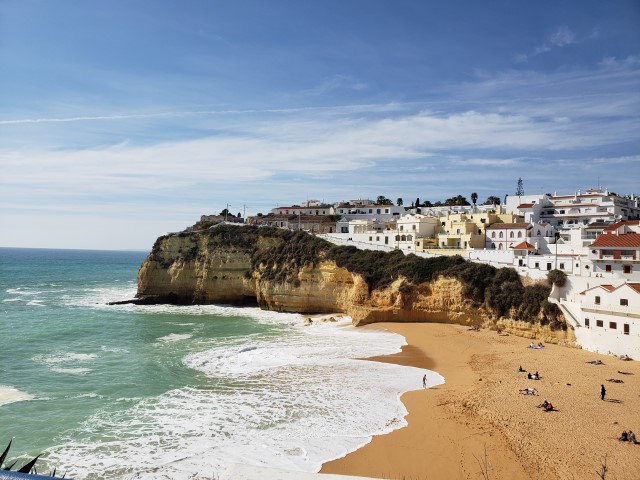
616,252
606,317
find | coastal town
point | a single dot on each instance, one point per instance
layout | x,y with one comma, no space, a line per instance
592,236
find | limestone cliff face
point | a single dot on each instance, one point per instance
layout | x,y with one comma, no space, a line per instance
193,268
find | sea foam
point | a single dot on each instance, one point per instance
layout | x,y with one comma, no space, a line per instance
294,401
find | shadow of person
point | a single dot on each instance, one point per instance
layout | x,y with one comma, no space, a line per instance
613,400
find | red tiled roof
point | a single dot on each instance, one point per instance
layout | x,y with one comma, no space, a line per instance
523,246
509,225
635,286
526,205
623,240
617,225
607,287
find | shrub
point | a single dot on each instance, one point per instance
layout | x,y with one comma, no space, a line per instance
557,277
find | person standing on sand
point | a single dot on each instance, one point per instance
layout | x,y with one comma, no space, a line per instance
424,381
603,391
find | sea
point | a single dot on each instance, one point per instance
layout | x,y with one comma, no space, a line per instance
178,392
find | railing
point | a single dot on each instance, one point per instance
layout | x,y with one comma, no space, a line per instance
608,308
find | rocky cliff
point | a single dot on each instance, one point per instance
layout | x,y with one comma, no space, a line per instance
294,272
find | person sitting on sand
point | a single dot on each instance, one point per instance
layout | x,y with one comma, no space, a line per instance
536,375
529,376
543,404
549,407
520,369
540,345
531,345
624,436
632,437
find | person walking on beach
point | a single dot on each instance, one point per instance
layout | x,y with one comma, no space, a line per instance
424,381
603,391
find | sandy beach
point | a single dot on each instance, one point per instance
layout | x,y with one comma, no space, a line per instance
478,425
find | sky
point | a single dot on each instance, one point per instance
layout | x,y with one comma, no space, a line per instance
123,120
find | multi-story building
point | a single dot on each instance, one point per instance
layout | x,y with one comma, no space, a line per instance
616,252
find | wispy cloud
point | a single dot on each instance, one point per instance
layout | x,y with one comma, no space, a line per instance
561,37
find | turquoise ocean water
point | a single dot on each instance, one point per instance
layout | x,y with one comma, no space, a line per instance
177,391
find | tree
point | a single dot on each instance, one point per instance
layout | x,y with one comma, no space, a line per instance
557,277
225,213
520,189
427,203
399,202
458,200
382,200
492,200
474,198
417,202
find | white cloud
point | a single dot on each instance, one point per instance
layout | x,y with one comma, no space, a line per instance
561,37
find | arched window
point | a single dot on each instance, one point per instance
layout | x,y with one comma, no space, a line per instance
493,245
401,228
397,237
510,234
409,238
519,234
404,238
538,232
500,235
500,247
493,234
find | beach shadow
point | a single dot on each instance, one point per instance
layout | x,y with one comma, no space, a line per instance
613,400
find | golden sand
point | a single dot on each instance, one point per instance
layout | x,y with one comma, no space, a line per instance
478,425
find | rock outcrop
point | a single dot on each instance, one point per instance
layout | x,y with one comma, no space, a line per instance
235,265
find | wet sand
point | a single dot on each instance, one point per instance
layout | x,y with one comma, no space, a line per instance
478,423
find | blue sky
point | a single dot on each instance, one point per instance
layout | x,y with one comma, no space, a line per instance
123,120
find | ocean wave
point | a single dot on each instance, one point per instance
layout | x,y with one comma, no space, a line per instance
64,357
11,395
72,371
174,337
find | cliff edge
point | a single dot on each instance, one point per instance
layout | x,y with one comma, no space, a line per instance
295,272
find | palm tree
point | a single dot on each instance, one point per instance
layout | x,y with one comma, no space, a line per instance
474,198
399,202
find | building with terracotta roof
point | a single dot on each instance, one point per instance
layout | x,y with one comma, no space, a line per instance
608,319
616,252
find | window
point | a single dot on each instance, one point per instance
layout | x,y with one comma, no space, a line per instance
626,329
607,268
624,302
627,269
401,228
371,239
561,266
413,227
377,239
457,231
549,266
500,235
613,325
397,237
519,234
586,322
409,238
371,210
493,234
510,234
378,211
493,245
537,264
386,240
386,210
597,300
538,232
599,323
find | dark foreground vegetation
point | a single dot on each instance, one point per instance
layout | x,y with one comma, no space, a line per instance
280,255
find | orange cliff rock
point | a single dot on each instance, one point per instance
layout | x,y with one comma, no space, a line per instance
190,268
